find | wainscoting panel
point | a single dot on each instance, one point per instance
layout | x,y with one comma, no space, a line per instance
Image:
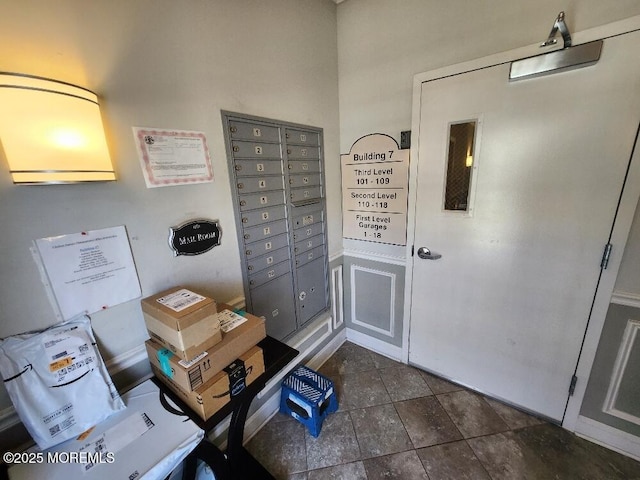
624,387
373,299
611,397
337,296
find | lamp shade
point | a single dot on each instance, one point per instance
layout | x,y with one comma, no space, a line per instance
52,132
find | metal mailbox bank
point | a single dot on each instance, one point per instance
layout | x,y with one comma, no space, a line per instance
277,176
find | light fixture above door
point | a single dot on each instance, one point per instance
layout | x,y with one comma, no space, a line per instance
52,132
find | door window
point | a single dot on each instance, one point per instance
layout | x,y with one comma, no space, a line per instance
460,158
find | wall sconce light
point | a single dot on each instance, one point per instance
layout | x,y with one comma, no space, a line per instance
52,132
469,160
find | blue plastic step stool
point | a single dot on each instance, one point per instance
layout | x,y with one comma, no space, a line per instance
308,397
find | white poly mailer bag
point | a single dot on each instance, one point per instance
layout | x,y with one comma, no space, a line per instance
57,381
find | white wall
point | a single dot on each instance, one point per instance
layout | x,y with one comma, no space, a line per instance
168,64
383,44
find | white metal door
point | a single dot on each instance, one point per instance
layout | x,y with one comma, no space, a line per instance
505,308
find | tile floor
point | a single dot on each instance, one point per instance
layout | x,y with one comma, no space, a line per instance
397,422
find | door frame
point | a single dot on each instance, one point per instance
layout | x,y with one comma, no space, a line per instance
621,228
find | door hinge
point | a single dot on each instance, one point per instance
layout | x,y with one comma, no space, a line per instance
572,385
605,256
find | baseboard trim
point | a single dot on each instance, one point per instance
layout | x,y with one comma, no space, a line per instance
608,437
378,346
126,360
260,418
626,298
329,349
271,406
8,418
326,323
336,256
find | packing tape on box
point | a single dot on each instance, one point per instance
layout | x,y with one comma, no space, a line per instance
163,357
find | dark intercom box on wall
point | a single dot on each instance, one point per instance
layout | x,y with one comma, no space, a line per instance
405,140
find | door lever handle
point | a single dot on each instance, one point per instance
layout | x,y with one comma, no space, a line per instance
425,254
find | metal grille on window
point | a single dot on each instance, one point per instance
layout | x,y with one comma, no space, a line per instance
459,166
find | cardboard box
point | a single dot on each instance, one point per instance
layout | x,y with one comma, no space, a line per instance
190,375
182,321
216,393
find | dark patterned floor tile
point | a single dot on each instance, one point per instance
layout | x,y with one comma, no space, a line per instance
505,458
298,476
280,448
513,417
471,414
348,471
349,358
336,443
570,456
360,390
439,385
452,461
399,466
380,361
380,431
404,383
426,422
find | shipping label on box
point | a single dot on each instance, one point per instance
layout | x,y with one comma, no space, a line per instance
176,306
182,321
216,393
180,300
190,375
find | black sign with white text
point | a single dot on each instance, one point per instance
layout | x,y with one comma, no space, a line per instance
194,237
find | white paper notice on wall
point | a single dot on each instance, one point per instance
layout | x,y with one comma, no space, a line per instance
89,271
173,157
375,177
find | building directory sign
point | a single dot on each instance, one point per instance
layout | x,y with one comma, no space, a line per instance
375,177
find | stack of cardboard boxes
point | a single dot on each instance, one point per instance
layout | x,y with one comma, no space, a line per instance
203,351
